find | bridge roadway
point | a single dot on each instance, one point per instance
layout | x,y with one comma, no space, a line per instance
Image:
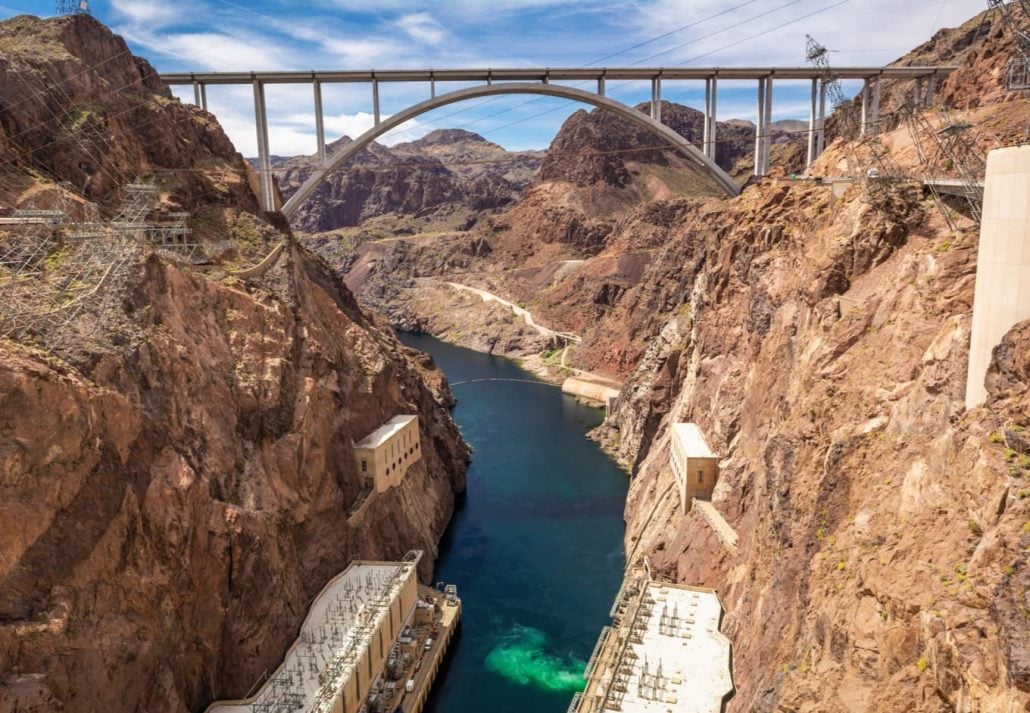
548,74
539,81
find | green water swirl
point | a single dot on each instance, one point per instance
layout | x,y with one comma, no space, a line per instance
522,657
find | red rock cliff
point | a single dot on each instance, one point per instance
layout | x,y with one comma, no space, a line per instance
173,493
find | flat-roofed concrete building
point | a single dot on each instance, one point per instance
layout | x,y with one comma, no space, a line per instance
694,464
373,640
384,456
343,644
664,653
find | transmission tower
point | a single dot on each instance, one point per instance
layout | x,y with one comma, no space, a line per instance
1015,16
62,281
877,156
948,149
73,7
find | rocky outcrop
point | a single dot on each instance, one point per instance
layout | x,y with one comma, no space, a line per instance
169,515
78,107
446,178
598,147
174,490
881,528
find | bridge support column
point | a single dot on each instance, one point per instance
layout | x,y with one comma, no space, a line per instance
600,87
918,98
875,128
375,100
656,98
706,139
319,121
196,94
810,156
432,86
203,96
931,81
864,126
759,131
711,112
820,136
767,143
713,134
266,195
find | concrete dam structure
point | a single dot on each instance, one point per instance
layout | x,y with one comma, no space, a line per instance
1002,297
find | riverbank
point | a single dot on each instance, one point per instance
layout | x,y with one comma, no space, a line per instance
455,317
537,547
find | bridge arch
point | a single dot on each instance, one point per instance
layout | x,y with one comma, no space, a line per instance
692,153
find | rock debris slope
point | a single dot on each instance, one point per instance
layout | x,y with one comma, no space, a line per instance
173,495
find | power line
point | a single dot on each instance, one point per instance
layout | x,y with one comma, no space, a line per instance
599,59
719,49
645,59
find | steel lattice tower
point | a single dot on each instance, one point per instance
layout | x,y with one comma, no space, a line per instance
876,154
1015,16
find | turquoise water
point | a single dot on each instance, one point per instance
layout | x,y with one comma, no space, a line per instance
536,546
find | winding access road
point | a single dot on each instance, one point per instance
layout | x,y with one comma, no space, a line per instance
522,312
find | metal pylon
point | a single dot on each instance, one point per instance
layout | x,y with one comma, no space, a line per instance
863,152
61,279
948,148
1015,16
72,7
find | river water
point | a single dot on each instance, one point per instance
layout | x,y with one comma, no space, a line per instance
536,546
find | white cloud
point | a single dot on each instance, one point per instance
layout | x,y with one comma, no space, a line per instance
362,53
155,13
219,51
421,26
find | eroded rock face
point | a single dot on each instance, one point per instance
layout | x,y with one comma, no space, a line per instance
600,147
77,105
167,518
446,177
881,527
175,491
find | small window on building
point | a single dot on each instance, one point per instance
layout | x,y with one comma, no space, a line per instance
700,476
364,465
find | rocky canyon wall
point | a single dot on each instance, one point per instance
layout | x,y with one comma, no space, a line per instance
883,529
175,490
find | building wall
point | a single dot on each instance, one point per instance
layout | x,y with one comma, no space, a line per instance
370,661
1003,262
695,477
702,474
385,465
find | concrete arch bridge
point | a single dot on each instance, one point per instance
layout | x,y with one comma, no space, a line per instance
539,82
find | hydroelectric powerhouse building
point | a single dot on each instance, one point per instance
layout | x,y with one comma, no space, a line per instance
663,653
372,642
384,456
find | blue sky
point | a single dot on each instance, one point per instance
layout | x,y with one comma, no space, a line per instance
206,35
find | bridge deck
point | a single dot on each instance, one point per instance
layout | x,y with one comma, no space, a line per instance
549,74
